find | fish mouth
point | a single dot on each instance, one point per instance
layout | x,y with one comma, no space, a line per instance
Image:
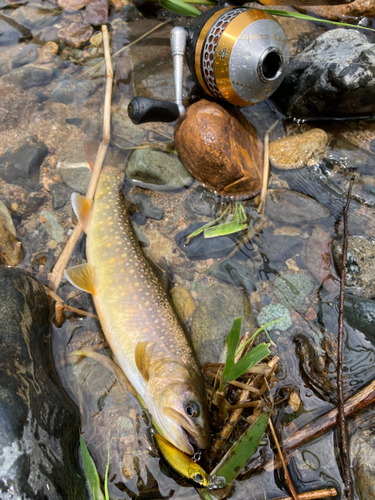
187,434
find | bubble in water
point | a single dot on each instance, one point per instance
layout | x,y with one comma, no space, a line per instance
215,482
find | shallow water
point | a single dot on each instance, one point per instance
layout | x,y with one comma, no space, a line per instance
43,216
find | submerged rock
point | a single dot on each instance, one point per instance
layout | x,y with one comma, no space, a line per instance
201,201
220,148
73,91
146,206
350,157
360,268
362,455
318,84
32,76
76,34
319,260
298,150
48,52
271,313
52,225
232,272
39,425
359,313
11,33
294,290
154,169
73,167
28,54
36,16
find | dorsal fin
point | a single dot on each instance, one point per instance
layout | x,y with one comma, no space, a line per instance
82,208
142,360
91,146
82,277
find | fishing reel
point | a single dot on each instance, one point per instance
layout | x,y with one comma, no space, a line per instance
234,53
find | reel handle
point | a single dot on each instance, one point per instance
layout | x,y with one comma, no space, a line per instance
143,110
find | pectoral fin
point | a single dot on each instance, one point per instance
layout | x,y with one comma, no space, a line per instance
82,208
82,277
142,359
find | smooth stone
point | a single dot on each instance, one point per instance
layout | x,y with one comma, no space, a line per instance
32,76
210,329
36,16
357,9
359,313
294,290
97,12
52,225
21,165
351,157
220,148
319,261
139,218
232,272
200,201
73,91
28,54
274,311
60,195
290,207
10,248
295,151
97,39
157,170
319,85
147,207
360,264
183,302
39,424
362,454
73,167
76,34
10,34
48,52
201,248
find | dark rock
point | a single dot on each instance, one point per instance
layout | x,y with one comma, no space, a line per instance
372,145
60,195
37,15
129,13
39,424
291,207
74,91
32,76
26,55
319,259
359,313
318,85
350,157
139,219
232,272
201,201
34,202
277,249
41,98
77,122
146,206
11,32
200,248
21,165
360,264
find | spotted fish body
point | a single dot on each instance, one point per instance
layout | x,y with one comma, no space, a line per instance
138,321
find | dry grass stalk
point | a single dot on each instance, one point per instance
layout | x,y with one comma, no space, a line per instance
312,495
235,416
58,270
266,170
60,307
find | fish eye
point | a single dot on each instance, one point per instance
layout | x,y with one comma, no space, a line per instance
198,478
193,409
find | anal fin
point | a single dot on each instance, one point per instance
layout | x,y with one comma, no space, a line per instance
82,277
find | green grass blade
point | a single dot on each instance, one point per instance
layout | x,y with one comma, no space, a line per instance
180,7
224,229
91,472
250,359
107,470
200,230
297,15
239,213
236,458
232,342
264,327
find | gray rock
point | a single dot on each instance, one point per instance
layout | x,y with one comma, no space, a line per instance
201,201
275,311
60,195
319,84
157,170
37,15
74,91
26,55
73,168
124,132
291,207
232,272
360,264
21,165
11,32
293,290
210,329
32,76
141,237
359,313
146,206
362,455
52,226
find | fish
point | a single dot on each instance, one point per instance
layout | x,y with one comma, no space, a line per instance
181,463
137,318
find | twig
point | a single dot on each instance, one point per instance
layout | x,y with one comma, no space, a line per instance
79,311
129,45
285,468
340,397
266,169
312,495
62,262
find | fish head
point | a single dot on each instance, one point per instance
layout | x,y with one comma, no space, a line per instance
181,411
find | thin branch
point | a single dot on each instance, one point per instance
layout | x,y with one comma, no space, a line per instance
312,495
58,271
266,169
340,396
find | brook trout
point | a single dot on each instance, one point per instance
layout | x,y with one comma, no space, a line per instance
138,321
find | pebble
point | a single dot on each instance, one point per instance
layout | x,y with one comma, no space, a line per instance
294,290
96,40
298,150
76,34
72,5
156,170
52,225
74,91
48,52
291,207
21,164
60,195
274,311
73,167
360,264
183,302
97,12
210,329
146,206
28,54
32,76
